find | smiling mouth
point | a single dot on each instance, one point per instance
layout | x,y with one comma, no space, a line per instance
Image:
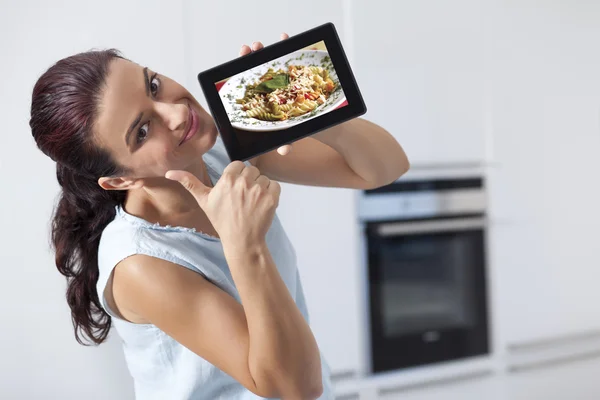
189,125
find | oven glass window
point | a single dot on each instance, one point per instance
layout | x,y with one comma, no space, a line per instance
426,282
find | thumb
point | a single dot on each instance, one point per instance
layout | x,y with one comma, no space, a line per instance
191,183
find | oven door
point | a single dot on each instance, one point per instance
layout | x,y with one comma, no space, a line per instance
427,291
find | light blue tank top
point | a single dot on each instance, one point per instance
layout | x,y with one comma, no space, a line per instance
161,367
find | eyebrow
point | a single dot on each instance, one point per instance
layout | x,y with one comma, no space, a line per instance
139,117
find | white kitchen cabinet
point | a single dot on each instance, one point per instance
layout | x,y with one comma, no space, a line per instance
572,380
577,380
484,387
420,68
543,186
320,222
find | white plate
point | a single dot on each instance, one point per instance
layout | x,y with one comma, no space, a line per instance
234,89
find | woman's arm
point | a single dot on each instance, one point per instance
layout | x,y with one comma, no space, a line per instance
283,350
356,154
264,343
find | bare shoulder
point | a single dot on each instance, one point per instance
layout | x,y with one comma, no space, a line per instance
139,276
125,276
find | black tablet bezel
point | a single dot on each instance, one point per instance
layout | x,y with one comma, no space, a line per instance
326,33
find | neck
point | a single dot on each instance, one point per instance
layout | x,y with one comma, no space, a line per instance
162,199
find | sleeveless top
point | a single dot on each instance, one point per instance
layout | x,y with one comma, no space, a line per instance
161,367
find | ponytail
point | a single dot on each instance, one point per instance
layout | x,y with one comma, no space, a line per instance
83,211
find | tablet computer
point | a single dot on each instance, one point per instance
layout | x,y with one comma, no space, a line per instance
281,93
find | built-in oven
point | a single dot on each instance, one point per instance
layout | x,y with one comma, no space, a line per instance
426,289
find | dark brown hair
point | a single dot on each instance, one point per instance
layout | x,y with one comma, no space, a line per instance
64,109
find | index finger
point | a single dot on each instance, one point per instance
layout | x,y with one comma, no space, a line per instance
234,168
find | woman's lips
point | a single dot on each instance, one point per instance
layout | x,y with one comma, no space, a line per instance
193,126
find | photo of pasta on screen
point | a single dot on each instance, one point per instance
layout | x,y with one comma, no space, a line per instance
279,95
283,93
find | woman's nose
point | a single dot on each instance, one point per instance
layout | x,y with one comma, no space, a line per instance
175,116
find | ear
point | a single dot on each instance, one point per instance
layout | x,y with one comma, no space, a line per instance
121,183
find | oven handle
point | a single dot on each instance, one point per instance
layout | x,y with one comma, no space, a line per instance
451,225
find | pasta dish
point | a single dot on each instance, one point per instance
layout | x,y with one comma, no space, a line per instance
280,95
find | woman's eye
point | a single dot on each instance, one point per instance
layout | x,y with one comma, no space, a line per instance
154,85
143,133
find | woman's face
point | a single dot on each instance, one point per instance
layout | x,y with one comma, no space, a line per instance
142,120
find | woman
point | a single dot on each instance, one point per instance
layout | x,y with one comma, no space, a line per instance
176,245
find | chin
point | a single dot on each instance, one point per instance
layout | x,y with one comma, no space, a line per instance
213,132
207,139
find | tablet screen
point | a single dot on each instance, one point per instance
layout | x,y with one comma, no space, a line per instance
284,92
